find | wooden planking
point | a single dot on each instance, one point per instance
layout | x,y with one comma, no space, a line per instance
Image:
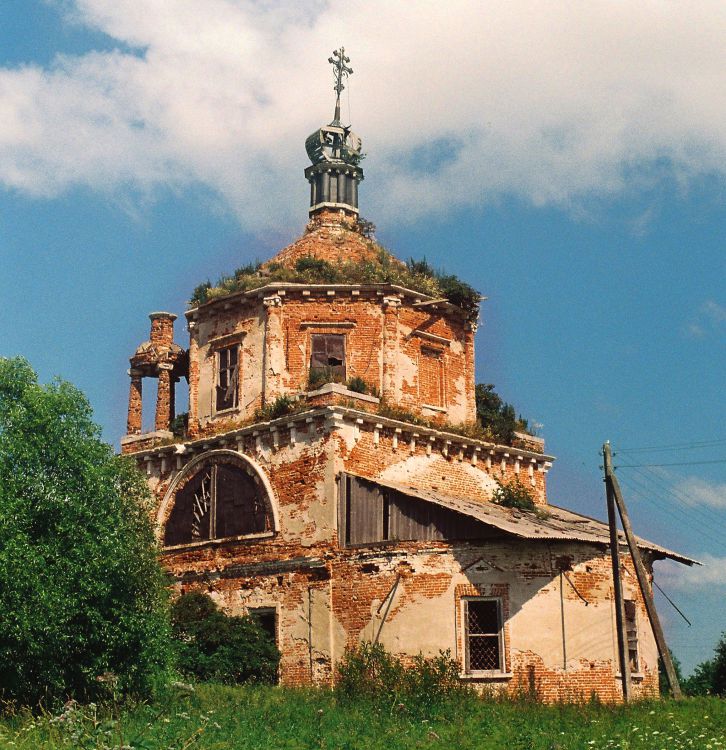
369,513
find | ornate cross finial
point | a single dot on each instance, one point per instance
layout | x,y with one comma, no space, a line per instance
341,71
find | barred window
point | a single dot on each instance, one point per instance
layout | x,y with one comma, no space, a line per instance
227,377
218,502
631,630
484,647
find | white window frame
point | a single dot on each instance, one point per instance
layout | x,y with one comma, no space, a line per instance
500,636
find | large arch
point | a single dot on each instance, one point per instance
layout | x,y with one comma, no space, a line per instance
205,466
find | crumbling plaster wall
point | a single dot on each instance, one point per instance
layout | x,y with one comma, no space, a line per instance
383,347
422,612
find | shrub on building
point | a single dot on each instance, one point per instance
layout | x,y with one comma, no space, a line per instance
83,601
514,495
213,646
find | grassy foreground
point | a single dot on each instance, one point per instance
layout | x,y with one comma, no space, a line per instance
218,717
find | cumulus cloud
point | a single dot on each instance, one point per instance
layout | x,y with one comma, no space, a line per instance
550,102
674,576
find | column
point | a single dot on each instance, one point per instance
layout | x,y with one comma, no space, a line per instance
133,422
470,365
164,414
274,350
391,307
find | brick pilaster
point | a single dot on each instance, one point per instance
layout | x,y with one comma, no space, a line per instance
470,371
274,350
164,398
391,307
133,422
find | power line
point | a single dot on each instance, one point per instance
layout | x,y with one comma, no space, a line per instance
676,513
708,515
676,463
689,514
691,445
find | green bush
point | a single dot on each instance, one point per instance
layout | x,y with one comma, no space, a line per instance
211,645
357,385
514,495
83,599
281,406
370,673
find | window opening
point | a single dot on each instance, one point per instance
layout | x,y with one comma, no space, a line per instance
328,358
483,635
222,501
227,377
631,630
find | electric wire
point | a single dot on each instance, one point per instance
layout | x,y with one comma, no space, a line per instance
674,512
662,485
676,463
692,445
645,490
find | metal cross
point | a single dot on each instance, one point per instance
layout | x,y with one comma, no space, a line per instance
341,71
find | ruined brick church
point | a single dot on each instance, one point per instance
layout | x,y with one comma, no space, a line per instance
324,483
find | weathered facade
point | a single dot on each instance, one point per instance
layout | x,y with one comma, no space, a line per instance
337,524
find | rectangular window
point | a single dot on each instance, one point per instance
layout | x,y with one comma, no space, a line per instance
431,376
631,631
327,361
483,635
227,377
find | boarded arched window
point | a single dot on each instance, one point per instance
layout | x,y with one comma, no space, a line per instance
219,501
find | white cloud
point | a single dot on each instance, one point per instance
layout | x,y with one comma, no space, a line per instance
673,576
551,102
696,491
709,318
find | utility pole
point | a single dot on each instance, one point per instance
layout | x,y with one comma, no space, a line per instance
617,580
614,494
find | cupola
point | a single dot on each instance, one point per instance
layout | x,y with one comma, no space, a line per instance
335,153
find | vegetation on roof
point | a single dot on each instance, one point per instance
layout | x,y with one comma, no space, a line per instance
417,275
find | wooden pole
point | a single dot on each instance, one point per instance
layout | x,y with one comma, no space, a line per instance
617,580
643,581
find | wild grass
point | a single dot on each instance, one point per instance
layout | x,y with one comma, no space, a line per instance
215,717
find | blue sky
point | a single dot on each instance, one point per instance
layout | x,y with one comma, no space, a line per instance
569,165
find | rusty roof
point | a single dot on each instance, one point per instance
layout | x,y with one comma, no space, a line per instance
551,524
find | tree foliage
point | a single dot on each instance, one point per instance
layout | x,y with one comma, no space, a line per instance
213,646
709,677
81,590
496,414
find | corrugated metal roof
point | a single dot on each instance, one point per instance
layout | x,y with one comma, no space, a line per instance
553,524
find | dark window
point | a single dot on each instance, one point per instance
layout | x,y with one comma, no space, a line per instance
267,619
227,377
483,635
220,501
328,358
631,630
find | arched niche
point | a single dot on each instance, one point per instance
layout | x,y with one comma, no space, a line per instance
219,495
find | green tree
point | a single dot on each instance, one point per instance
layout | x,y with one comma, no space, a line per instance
701,681
82,594
718,681
214,646
496,414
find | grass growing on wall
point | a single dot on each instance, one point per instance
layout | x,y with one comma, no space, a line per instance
214,717
384,269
